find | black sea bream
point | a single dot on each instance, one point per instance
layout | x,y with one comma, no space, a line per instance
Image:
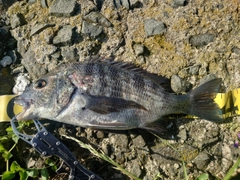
112,95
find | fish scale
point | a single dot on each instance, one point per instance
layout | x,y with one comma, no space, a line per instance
113,95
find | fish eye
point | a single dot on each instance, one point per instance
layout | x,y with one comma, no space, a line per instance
40,84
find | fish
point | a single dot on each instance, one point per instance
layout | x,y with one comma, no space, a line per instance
113,95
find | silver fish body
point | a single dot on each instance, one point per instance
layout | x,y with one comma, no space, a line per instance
112,95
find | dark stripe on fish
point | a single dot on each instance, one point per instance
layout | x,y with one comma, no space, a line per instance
116,90
88,69
138,82
102,81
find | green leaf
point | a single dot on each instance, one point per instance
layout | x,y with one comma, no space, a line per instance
2,148
44,174
50,162
9,129
3,138
231,170
7,155
16,167
23,175
32,172
15,138
203,176
8,175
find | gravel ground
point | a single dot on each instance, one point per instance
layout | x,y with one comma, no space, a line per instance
189,42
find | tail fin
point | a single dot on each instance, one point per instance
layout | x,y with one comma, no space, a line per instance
202,101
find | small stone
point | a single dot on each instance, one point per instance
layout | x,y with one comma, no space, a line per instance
22,82
91,30
105,146
64,36
7,60
32,1
56,55
141,60
117,4
17,20
96,17
177,84
100,134
153,27
194,70
236,50
176,166
125,3
138,49
44,3
135,168
139,141
29,62
64,8
178,3
36,29
201,40
69,54
202,160
119,141
182,134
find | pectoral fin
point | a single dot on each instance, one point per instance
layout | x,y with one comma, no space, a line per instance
105,105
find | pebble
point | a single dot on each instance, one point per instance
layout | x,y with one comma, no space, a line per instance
134,167
202,160
69,54
64,8
100,134
179,3
140,60
91,30
125,3
7,60
32,1
236,50
139,141
194,69
64,36
44,3
96,17
29,62
154,27
37,28
182,134
138,49
119,141
201,40
22,82
177,84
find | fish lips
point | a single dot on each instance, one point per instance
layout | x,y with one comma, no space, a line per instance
27,104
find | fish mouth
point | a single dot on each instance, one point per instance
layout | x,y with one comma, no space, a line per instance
26,104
